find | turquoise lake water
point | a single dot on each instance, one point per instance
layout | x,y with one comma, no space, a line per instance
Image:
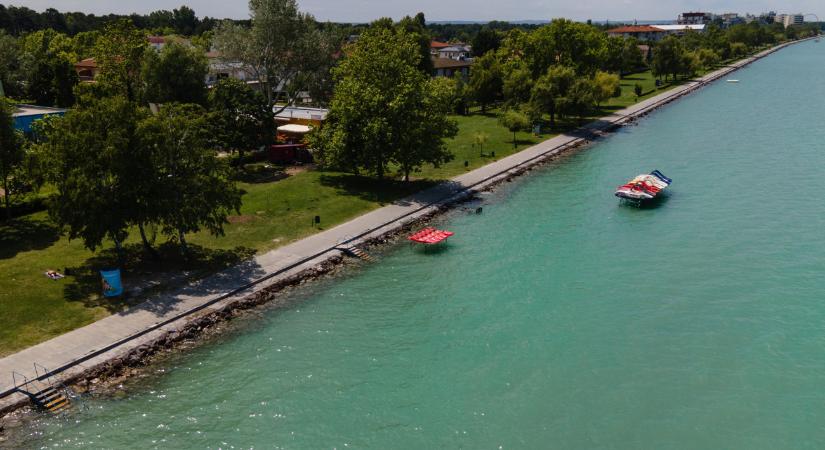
557,318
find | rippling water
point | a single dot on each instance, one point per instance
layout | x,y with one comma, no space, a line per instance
555,319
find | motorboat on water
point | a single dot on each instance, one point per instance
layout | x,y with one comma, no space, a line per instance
644,187
732,81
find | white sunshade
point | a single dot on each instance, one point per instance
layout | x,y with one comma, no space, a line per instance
294,128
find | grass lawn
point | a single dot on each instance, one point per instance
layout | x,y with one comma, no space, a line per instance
277,209
36,308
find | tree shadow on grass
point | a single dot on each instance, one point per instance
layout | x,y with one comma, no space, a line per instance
25,234
632,78
144,276
260,173
379,190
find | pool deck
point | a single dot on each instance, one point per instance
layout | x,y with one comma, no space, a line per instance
74,353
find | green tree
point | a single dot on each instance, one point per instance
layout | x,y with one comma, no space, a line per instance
486,40
384,109
632,58
119,55
184,20
283,50
91,156
738,50
514,121
47,64
417,27
486,80
83,44
175,74
568,43
518,82
614,54
551,88
668,58
11,151
604,86
240,116
480,139
194,187
462,96
637,89
579,99
11,77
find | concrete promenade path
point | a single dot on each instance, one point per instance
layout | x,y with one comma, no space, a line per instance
74,352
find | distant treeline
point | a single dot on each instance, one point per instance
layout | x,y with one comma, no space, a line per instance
18,20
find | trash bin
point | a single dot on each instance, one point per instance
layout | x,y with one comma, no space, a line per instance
112,286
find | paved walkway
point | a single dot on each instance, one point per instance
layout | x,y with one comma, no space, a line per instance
86,347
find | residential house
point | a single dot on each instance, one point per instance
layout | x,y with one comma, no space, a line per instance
457,51
220,69
87,70
695,18
643,33
653,33
435,46
156,42
681,29
446,67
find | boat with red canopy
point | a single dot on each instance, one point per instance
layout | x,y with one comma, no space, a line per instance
430,236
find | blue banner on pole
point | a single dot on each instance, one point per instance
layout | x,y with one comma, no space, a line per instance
112,286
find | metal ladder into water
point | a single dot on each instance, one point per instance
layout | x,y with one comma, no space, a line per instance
44,393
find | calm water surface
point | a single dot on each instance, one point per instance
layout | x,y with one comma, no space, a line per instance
557,318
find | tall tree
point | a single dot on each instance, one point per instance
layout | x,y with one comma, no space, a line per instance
47,62
11,151
239,115
184,20
605,86
564,42
668,58
384,109
486,80
283,50
194,186
550,90
10,72
579,99
90,155
417,27
119,54
486,40
632,58
175,74
518,82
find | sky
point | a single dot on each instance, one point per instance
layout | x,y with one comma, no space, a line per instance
434,10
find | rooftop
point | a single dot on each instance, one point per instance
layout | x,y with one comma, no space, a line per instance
455,48
684,27
436,44
296,112
32,110
86,63
636,29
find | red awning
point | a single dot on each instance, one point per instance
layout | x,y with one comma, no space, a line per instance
430,236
